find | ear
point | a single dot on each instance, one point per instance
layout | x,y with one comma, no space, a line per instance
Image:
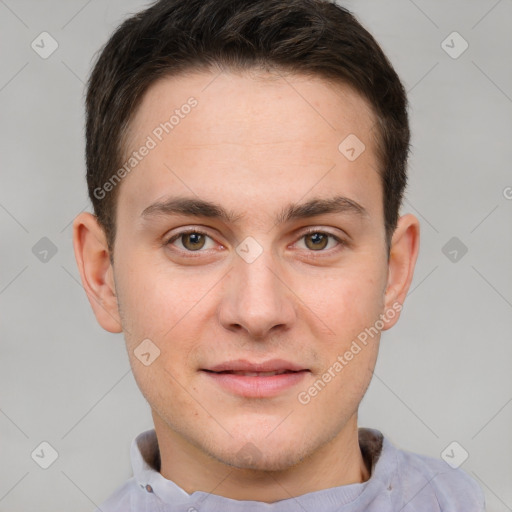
92,257
402,260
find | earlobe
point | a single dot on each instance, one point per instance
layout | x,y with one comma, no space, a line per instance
96,272
402,260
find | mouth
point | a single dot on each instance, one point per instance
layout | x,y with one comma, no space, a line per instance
256,374
272,366
256,380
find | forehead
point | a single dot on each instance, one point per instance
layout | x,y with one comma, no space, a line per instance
220,135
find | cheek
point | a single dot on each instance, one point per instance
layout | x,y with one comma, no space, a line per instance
165,389
171,310
347,302
155,298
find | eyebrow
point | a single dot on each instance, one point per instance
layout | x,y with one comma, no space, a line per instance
195,207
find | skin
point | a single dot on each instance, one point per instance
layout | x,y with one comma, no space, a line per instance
253,145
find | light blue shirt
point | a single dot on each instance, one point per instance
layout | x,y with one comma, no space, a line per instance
399,481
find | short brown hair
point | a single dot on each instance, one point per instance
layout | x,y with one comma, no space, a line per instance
311,37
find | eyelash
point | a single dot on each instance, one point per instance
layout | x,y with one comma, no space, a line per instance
340,242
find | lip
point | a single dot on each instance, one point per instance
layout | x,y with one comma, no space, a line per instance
243,365
256,386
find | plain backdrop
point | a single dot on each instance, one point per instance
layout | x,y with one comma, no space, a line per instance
444,372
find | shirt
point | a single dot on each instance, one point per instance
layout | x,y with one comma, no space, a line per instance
399,481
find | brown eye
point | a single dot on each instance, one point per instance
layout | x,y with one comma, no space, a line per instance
193,241
316,241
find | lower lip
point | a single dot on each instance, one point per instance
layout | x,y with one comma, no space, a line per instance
257,387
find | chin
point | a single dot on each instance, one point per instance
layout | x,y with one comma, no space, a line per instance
263,461
261,454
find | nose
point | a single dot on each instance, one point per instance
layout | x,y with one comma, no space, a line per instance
256,300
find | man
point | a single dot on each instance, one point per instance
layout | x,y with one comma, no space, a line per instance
246,161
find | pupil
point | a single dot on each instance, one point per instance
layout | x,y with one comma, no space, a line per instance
317,241
194,241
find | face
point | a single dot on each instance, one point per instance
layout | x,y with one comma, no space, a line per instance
244,236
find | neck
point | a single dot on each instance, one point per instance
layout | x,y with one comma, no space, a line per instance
338,462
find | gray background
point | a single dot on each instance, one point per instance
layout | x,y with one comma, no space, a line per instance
444,370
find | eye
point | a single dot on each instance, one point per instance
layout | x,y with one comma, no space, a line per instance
319,241
192,241
196,241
